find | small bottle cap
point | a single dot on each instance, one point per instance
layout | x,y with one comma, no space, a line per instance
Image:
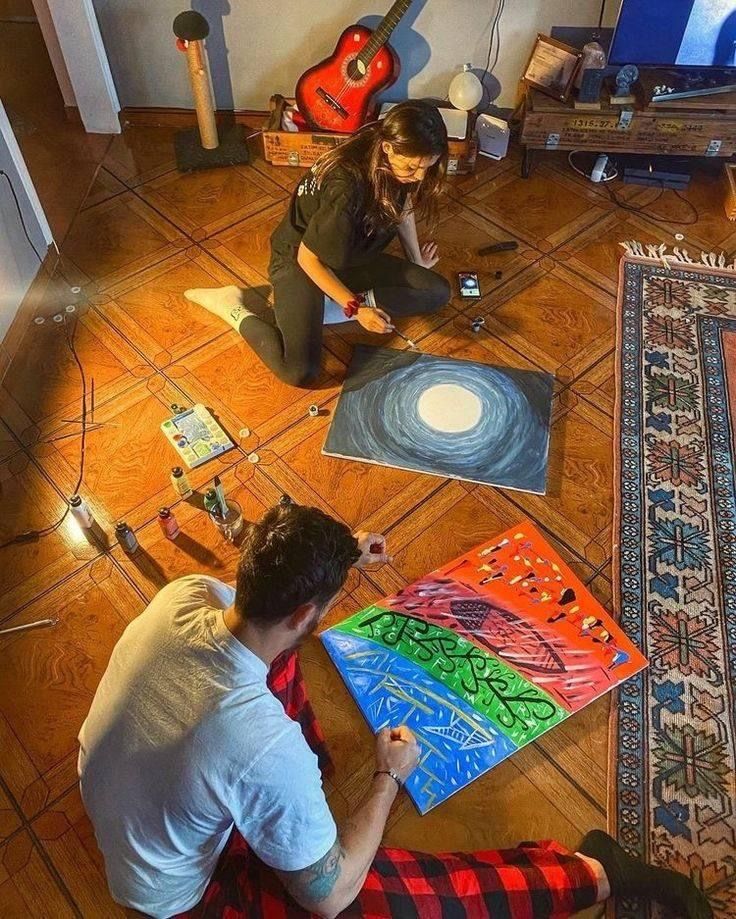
121,526
164,512
75,501
210,493
177,471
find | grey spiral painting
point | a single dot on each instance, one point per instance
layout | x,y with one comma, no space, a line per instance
451,418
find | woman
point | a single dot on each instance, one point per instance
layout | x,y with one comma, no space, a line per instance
329,246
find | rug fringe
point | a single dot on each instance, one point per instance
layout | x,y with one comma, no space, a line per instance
662,253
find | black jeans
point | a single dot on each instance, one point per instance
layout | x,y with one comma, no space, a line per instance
292,346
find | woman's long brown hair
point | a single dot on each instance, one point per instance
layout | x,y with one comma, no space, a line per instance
413,129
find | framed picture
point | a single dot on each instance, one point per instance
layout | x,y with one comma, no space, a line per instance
552,67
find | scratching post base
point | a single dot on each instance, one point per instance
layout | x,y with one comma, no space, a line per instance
191,155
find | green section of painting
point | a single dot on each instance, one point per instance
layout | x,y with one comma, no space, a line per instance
516,706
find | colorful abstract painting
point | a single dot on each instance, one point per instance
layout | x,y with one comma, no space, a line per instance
480,658
456,419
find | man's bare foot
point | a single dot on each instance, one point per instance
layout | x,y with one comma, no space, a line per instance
224,302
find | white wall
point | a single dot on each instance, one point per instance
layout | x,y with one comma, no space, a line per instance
51,40
269,43
81,44
18,262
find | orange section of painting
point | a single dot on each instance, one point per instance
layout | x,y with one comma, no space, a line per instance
515,597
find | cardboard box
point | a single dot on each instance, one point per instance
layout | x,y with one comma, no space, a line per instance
285,148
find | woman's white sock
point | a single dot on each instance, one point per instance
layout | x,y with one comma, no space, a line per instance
225,302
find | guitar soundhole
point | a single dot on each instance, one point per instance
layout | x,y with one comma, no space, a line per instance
356,71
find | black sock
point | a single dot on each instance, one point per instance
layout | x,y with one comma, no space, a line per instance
630,877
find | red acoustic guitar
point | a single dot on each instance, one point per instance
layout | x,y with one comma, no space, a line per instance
337,94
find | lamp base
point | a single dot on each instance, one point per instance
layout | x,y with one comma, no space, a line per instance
191,155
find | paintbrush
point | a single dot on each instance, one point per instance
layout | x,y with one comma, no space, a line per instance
220,492
406,339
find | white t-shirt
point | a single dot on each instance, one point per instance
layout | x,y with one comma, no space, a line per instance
183,740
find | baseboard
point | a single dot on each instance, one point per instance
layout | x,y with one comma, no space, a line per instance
27,311
187,118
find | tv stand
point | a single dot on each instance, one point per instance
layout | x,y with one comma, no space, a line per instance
686,127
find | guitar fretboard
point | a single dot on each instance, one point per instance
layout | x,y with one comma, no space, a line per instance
382,34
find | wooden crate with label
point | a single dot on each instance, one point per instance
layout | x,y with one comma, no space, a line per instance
303,148
693,130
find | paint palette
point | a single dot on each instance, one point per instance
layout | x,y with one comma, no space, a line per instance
196,436
445,417
480,658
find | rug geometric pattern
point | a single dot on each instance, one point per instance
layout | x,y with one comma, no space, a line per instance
674,796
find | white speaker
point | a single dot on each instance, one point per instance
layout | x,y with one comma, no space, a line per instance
493,136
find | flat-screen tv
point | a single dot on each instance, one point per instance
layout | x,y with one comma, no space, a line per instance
675,33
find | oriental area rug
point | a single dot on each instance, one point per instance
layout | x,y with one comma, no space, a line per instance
673,752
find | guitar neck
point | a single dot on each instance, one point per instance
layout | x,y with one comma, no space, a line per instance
382,34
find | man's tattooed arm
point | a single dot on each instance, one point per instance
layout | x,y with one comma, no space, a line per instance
331,884
316,882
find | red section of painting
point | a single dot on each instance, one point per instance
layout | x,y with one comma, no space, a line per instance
516,598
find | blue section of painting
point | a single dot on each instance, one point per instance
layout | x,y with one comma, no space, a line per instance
378,418
458,744
676,748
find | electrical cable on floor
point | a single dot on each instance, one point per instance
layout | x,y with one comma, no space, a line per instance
20,214
33,535
586,175
644,210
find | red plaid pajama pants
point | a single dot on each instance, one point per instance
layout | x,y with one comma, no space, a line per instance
540,880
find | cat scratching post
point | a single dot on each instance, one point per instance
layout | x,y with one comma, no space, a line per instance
202,148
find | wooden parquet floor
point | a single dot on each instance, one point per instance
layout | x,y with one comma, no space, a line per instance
145,234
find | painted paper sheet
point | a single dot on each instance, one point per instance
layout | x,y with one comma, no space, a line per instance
480,658
446,417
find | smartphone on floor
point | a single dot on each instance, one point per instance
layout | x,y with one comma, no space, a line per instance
469,285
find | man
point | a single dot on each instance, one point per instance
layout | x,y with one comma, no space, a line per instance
197,773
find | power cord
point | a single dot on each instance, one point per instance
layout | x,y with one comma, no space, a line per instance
644,210
20,214
494,38
600,18
34,535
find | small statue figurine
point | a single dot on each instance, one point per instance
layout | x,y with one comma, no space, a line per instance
625,79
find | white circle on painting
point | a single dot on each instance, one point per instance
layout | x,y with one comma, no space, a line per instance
449,408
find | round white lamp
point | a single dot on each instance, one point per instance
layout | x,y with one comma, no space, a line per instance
466,90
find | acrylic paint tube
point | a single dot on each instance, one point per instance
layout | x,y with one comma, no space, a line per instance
212,502
168,523
180,482
126,537
81,512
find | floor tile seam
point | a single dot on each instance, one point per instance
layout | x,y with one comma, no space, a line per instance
596,363
75,415
100,310
212,253
45,857
78,211
14,803
45,591
576,785
188,233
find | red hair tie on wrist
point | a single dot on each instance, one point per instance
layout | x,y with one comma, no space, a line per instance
352,306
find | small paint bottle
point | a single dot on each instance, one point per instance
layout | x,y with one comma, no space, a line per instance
126,537
168,523
81,512
180,482
211,502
